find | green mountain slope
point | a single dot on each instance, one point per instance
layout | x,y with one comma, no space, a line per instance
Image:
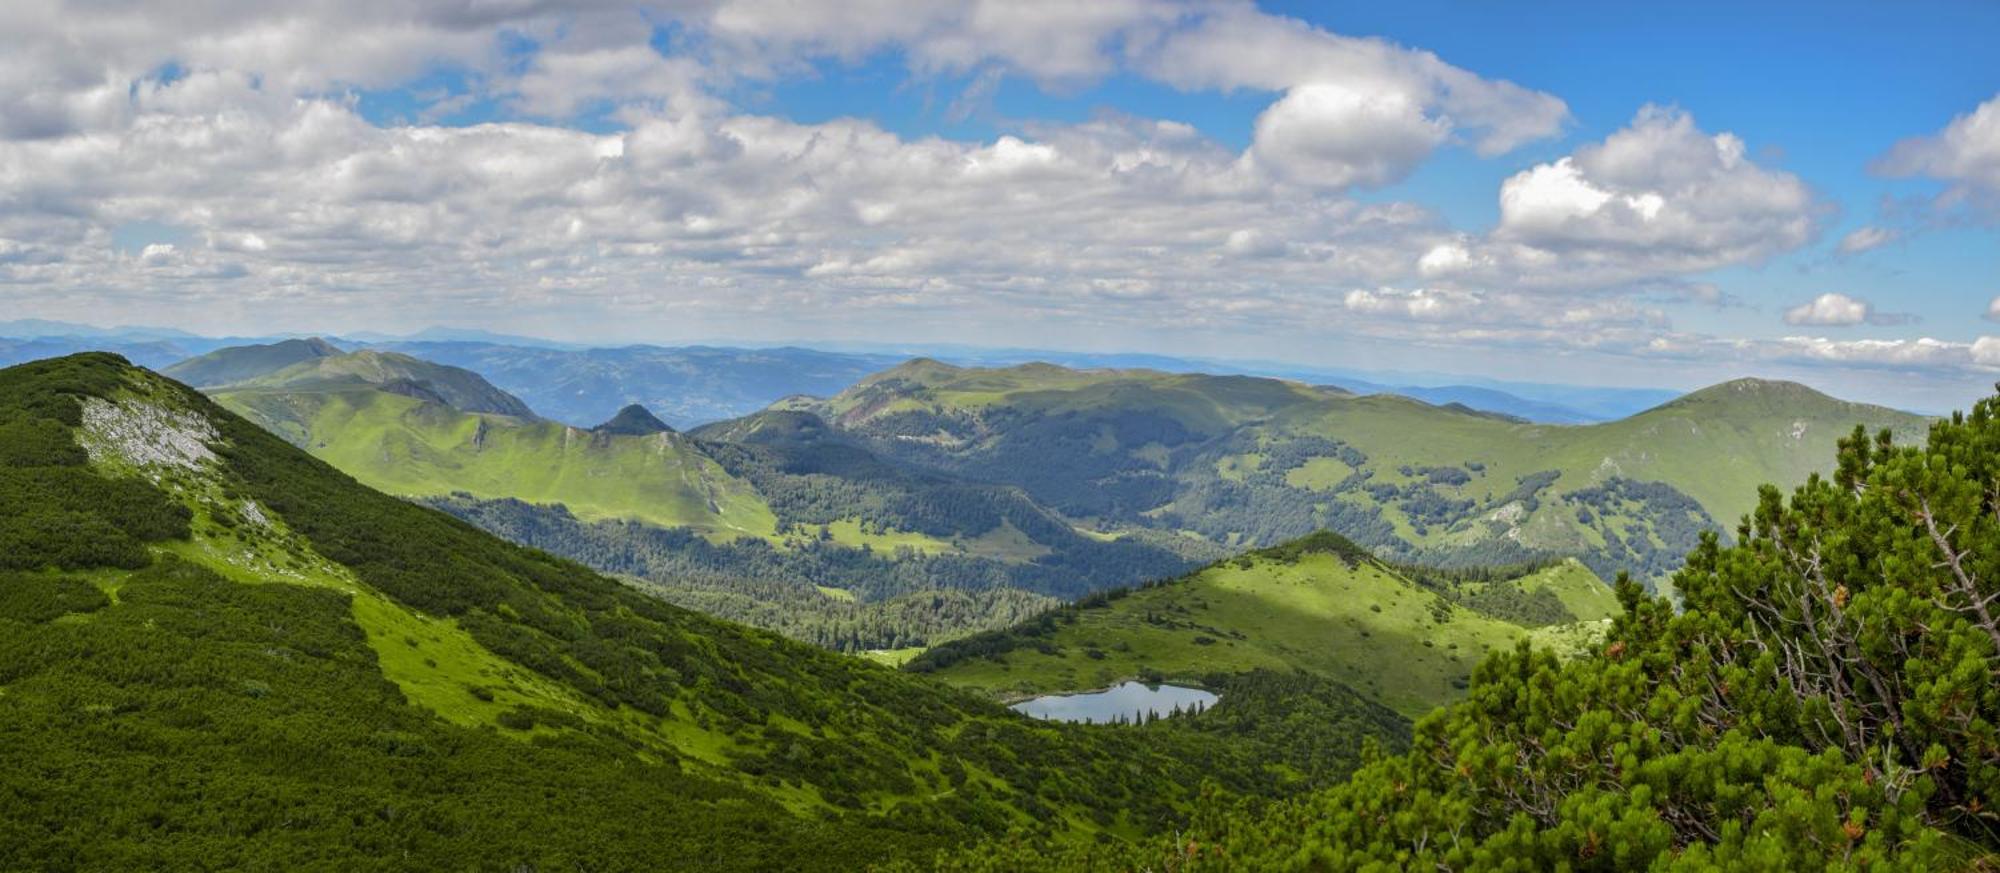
862,549
218,651
458,388
1823,698
1245,461
1320,605
229,366
416,446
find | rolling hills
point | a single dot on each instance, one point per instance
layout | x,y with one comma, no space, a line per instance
1406,636
1243,461
219,651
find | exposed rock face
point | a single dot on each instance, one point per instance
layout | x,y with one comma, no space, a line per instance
145,434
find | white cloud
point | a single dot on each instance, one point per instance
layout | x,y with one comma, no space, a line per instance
1839,310
1233,46
1993,310
1921,352
1965,155
234,121
1332,136
1660,197
1866,239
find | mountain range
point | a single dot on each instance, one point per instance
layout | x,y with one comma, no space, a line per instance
1248,461
207,633
691,385
928,501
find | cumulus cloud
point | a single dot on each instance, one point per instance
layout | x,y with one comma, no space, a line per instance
1337,137
1660,194
1965,155
1839,310
1652,203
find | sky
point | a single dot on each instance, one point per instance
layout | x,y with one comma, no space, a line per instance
1661,195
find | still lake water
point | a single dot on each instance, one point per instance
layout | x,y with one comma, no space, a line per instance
1128,699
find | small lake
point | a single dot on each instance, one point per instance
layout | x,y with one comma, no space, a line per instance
1128,699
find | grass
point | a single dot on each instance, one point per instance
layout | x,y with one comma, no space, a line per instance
1364,626
404,446
1318,473
892,657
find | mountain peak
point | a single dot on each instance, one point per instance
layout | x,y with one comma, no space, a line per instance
399,373
919,370
1756,390
633,420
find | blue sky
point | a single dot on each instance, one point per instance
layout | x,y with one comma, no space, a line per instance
1699,190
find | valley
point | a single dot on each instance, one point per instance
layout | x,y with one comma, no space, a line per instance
928,501
1408,637
264,628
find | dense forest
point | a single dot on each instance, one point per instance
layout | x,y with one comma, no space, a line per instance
905,598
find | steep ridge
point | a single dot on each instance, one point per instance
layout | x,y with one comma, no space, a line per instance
230,637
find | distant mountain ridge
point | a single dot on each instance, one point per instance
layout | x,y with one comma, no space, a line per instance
1252,461
682,386
457,387
235,364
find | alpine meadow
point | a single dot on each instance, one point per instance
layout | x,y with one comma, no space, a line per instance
999,436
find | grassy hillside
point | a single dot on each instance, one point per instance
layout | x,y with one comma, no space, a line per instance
411,446
1407,637
1244,462
206,634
